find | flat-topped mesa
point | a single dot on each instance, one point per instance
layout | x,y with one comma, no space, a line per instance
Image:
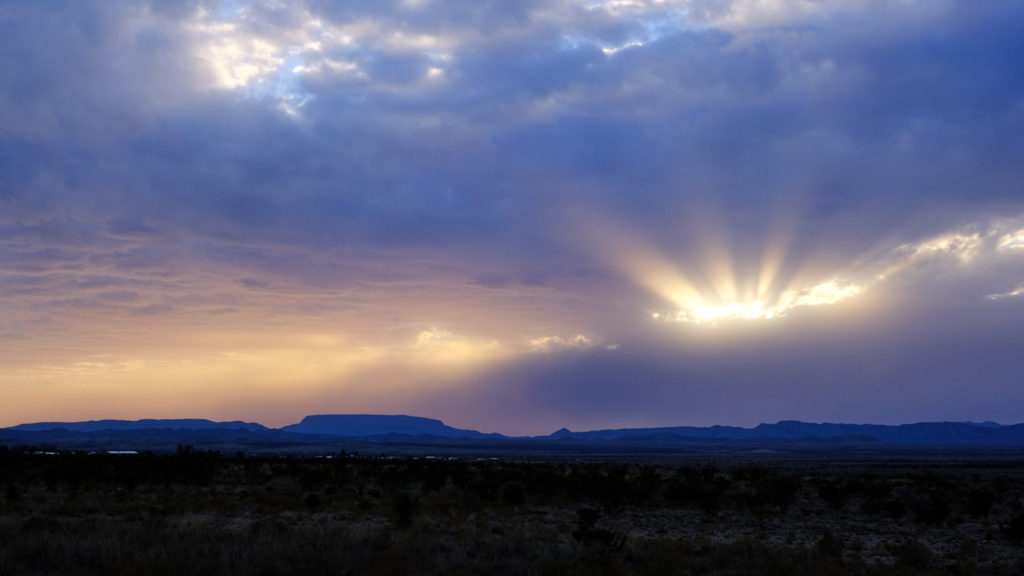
356,425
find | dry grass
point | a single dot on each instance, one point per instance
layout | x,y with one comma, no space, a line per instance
202,514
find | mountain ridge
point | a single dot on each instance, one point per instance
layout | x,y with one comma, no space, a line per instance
143,424
373,429
918,433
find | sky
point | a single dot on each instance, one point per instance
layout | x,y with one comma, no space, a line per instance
513,215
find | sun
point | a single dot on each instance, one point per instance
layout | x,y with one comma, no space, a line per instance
718,279
703,311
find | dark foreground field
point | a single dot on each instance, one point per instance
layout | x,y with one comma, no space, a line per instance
202,513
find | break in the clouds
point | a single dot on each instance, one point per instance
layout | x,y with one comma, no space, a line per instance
515,215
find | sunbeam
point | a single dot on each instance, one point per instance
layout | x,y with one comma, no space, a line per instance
719,278
786,281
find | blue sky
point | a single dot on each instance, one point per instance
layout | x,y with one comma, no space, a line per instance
512,215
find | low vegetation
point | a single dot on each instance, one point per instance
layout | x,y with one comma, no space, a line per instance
202,512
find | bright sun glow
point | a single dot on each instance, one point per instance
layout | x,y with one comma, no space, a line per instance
715,284
714,290
703,312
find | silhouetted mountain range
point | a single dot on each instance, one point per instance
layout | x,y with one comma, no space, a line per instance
97,425
919,434
366,431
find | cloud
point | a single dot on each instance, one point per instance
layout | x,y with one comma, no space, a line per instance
1018,291
379,170
458,161
1012,241
543,344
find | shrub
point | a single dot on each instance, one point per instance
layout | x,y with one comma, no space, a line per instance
404,506
586,531
980,501
835,493
913,554
829,546
513,492
312,501
768,489
1014,530
703,487
931,509
13,493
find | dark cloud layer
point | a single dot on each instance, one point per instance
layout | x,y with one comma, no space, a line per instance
873,117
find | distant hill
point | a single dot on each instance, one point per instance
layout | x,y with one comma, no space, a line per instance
412,434
146,424
363,425
919,434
